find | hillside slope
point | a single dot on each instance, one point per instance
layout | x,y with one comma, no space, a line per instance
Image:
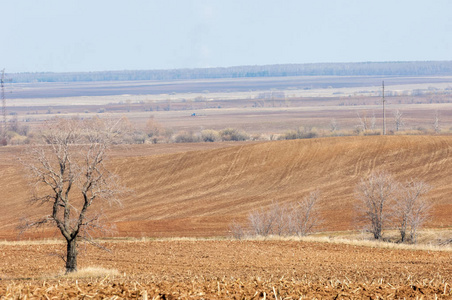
199,193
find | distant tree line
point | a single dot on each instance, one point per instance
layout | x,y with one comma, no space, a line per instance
413,68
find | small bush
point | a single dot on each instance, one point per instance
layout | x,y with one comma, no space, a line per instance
289,135
374,132
209,135
186,137
232,134
296,219
18,140
237,231
301,133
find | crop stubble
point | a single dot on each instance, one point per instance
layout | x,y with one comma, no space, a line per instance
229,269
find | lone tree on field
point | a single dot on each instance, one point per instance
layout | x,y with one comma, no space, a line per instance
67,173
376,194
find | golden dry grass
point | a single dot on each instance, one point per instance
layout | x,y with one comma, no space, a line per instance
356,242
199,193
90,272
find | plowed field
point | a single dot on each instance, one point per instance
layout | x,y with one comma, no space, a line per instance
229,270
193,192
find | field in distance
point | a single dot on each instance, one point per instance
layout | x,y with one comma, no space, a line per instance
256,105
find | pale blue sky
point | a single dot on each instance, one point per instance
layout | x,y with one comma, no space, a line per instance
97,35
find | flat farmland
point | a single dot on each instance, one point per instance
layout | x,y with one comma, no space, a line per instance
263,106
225,269
206,86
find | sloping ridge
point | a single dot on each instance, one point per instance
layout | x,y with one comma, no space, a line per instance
209,189
199,193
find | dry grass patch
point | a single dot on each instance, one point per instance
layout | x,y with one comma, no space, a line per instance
90,272
430,240
31,242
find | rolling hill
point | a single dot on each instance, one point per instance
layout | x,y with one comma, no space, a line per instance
200,192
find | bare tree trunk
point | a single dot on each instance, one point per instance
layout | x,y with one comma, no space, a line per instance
377,227
402,231
71,258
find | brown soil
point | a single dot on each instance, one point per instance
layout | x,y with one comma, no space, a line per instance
200,192
229,270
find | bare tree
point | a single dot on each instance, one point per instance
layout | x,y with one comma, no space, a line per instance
436,125
154,130
67,173
411,209
261,222
363,121
398,120
273,220
299,219
376,193
237,231
279,213
333,125
373,122
304,216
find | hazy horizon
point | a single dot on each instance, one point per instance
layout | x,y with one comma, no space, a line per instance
89,36
237,66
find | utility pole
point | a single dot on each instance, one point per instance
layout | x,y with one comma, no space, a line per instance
384,112
3,103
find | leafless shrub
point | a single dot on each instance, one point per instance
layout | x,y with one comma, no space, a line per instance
232,134
153,128
280,214
376,193
384,202
373,122
411,209
299,219
210,135
305,132
436,123
261,222
304,216
237,231
333,125
363,122
186,137
398,120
